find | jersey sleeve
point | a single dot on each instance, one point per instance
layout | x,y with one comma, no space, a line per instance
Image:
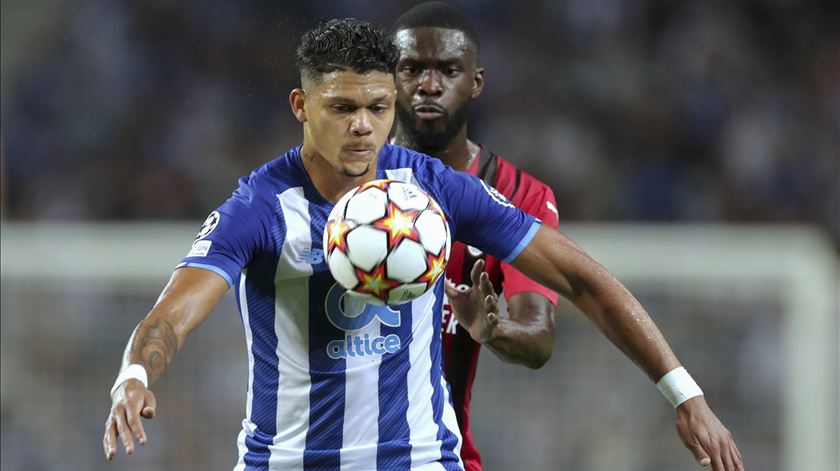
232,235
538,200
478,214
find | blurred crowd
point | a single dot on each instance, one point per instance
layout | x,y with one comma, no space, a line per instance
637,111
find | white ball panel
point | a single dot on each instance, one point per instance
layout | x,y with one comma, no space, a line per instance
338,209
448,242
367,206
367,247
407,196
432,231
406,262
405,293
342,270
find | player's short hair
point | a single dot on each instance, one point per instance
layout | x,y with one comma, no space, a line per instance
345,44
436,15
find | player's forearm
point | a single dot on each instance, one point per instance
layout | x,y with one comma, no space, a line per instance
623,320
153,345
558,263
184,304
158,337
529,344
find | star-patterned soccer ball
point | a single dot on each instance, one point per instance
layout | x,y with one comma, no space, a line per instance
387,242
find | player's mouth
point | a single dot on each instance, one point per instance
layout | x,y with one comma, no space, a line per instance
428,111
359,150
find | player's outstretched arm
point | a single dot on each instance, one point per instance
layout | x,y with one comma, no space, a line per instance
527,338
558,263
185,302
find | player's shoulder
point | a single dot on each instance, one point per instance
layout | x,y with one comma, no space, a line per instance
271,178
423,167
276,175
393,156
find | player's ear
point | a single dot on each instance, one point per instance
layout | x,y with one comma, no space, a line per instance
478,82
296,100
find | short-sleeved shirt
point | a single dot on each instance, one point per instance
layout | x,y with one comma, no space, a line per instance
368,396
460,352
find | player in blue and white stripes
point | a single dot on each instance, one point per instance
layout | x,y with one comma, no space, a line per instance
333,384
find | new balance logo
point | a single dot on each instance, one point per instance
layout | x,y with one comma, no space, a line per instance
311,256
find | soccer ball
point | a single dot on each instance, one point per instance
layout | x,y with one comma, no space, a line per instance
386,242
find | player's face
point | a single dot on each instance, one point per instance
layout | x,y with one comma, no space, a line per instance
436,79
347,118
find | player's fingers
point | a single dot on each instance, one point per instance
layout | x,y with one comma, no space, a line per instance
491,303
717,463
699,454
737,464
731,458
726,457
150,405
451,290
486,284
736,457
736,453
135,425
123,432
477,270
110,440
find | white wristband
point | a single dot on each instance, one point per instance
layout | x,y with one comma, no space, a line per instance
678,386
132,371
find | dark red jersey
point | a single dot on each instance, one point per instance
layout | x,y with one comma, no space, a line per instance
460,351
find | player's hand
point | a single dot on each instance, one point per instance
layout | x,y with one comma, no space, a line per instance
706,437
477,308
129,402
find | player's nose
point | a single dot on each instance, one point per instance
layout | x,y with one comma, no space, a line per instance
361,124
430,83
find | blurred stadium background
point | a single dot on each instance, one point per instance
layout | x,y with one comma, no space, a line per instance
693,148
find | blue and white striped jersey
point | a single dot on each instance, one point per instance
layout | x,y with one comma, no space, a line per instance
318,397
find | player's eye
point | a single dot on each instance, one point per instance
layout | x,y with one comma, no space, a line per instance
379,108
451,71
341,108
409,70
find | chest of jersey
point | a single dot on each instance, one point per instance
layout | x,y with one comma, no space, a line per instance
301,252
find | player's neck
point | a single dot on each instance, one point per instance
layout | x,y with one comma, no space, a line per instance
460,153
331,183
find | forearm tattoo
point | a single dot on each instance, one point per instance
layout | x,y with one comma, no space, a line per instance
154,347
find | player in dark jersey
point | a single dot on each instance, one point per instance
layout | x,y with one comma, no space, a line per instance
306,409
437,78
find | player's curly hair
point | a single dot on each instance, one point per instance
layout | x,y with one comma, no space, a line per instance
345,44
